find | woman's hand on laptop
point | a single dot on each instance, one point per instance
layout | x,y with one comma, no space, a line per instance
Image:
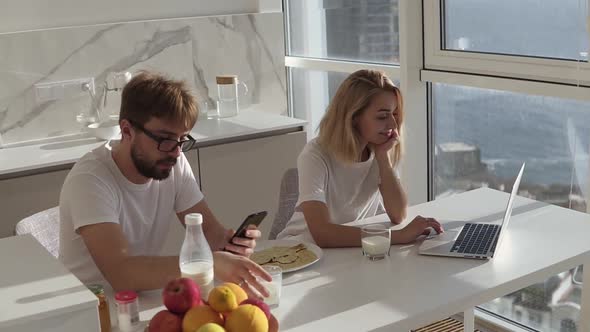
240,245
417,227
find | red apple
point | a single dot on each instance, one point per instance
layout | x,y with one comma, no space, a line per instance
263,306
180,295
165,321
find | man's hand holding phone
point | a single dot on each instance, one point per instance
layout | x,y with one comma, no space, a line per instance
243,241
243,246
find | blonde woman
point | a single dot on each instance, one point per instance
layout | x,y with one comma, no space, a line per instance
349,172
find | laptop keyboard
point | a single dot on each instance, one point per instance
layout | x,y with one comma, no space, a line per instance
475,239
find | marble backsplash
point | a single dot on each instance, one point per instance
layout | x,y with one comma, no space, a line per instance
194,49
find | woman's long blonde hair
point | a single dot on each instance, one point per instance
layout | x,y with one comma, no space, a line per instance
337,132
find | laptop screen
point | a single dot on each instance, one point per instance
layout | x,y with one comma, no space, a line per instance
508,212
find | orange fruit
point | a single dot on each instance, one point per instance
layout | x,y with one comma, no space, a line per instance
246,318
196,317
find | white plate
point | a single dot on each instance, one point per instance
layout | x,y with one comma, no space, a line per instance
261,245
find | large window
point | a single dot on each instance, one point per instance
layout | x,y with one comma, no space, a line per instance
329,39
548,28
497,71
481,137
312,92
365,31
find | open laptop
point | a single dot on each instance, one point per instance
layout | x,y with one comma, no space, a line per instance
475,240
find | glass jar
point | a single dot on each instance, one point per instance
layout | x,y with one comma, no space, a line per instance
227,95
103,307
127,311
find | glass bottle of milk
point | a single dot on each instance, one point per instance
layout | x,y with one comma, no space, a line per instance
196,259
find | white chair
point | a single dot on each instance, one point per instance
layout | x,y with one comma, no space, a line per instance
288,196
43,226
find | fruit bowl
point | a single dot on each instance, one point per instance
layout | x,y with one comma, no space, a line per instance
273,325
226,307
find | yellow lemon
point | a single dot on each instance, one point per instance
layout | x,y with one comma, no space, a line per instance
223,299
240,294
211,327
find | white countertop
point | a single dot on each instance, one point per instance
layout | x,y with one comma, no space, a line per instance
35,286
207,132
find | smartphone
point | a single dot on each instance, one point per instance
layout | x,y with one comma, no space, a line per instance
253,219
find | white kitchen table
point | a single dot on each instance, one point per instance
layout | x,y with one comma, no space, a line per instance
347,292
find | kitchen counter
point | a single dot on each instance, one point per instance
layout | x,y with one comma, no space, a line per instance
249,124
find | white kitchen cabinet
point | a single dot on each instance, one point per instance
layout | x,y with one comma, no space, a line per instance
23,196
244,177
237,179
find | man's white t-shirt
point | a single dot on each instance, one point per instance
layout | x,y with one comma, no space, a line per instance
350,190
95,191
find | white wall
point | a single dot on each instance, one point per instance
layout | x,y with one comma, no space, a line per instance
19,15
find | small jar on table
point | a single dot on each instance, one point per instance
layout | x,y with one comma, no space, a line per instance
103,307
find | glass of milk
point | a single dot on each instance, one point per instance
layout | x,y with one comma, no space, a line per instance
273,287
376,241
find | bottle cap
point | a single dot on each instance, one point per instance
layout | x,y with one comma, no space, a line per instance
125,296
193,219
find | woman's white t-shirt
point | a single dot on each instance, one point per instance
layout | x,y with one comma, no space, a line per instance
350,190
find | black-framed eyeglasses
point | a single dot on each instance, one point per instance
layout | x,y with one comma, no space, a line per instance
166,144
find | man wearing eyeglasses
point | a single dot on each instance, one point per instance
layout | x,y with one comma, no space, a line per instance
118,201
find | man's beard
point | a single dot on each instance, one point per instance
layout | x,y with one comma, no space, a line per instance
149,169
